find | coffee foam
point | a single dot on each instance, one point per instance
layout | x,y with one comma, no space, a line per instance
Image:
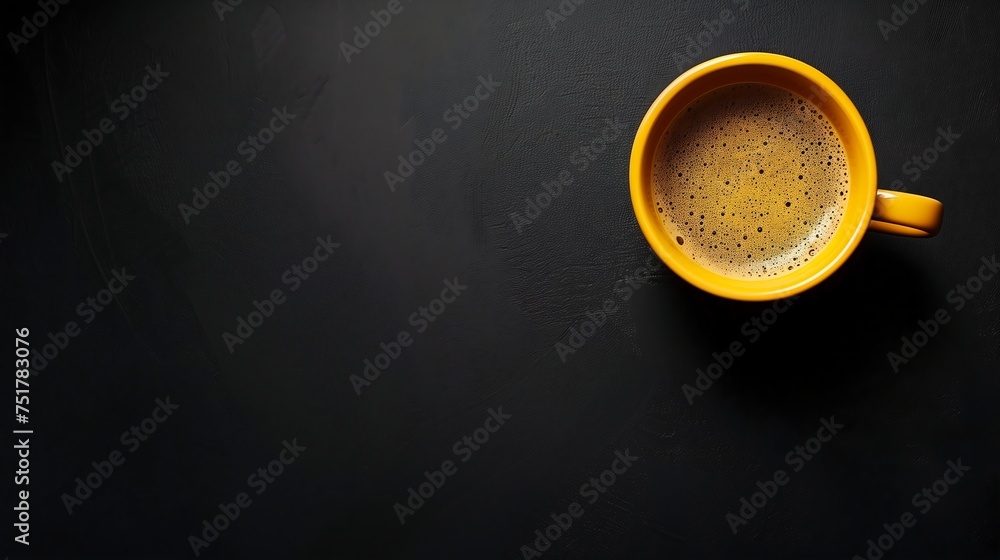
751,181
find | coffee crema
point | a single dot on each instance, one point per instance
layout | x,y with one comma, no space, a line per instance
751,181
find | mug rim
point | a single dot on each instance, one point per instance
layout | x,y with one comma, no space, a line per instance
656,234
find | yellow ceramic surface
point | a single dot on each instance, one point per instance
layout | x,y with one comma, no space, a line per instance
867,207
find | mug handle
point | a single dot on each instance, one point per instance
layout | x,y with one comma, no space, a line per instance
906,214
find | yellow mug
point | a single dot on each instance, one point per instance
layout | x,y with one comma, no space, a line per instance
867,207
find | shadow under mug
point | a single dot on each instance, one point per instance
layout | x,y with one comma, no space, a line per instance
867,207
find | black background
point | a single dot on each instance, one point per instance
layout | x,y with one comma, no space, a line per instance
494,346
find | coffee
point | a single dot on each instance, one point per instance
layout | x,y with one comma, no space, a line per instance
750,180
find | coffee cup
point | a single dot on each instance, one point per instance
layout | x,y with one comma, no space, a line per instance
795,183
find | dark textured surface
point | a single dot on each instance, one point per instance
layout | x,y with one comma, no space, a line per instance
494,346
